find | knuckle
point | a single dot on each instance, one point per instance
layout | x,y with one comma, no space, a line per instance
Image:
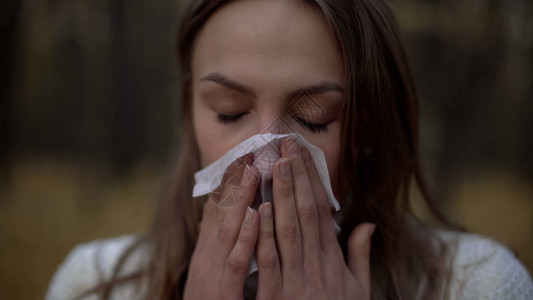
267,260
224,234
285,189
290,233
299,167
249,192
246,238
235,264
308,214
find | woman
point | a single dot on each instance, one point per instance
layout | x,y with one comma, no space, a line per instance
250,67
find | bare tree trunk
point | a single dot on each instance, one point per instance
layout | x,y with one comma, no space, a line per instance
9,20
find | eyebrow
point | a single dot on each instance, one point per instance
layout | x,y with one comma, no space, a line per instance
319,88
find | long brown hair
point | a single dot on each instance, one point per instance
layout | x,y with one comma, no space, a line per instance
380,162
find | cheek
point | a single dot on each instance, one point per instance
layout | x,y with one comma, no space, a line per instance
332,159
332,155
207,134
213,138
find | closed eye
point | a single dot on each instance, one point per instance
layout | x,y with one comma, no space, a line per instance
228,119
313,127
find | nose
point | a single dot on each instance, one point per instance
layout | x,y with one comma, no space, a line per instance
277,124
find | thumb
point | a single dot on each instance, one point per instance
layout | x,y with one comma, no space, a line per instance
359,253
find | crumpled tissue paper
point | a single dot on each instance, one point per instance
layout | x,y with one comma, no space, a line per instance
265,148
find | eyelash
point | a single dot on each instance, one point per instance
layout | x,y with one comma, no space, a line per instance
228,119
313,127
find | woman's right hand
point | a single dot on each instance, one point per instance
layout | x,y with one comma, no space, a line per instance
228,234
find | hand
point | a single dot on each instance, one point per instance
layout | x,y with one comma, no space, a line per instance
228,235
298,254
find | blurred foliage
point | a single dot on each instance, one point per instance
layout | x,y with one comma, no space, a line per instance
89,112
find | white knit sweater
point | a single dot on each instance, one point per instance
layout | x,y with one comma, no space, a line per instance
483,269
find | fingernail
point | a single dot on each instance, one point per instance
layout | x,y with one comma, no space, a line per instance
248,176
249,218
267,210
285,168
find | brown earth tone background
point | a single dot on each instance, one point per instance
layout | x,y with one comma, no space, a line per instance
89,114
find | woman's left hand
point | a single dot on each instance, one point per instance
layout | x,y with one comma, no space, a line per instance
298,254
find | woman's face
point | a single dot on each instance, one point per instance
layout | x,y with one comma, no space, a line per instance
267,66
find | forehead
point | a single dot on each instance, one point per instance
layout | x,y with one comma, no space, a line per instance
269,39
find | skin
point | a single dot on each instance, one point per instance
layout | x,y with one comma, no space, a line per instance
254,59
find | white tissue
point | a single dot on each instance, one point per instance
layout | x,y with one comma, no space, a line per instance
265,148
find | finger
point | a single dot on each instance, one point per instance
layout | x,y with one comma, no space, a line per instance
238,261
231,188
286,219
267,255
305,208
212,212
328,237
224,230
359,253
243,195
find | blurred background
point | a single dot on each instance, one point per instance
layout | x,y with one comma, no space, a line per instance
89,115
